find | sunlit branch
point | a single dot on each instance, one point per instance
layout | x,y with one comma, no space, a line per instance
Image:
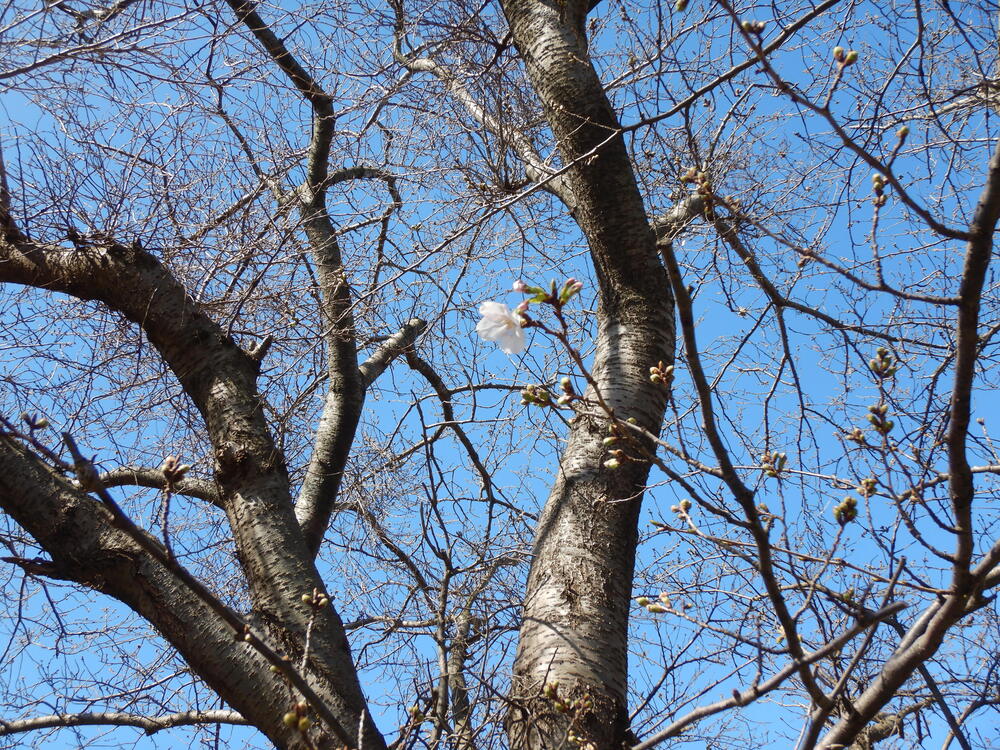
150,724
506,133
140,476
742,494
743,697
824,112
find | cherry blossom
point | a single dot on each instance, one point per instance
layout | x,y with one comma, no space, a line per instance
501,325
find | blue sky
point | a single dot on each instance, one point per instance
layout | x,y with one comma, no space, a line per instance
533,241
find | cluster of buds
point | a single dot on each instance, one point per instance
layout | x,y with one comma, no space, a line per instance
661,374
317,599
568,394
562,705
847,511
539,395
844,59
878,185
883,365
173,470
913,495
658,606
856,436
704,189
34,421
615,458
767,518
553,296
773,463
570,288
298,717
876,415
867,487
615,455
682,507
753,27
536,395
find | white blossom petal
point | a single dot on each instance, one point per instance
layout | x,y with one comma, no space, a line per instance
502,326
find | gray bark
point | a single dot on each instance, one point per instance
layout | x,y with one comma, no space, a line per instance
250,472
575,618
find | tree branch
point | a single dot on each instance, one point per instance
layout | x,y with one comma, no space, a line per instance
388,350
505,133
741,698
151,724
141,476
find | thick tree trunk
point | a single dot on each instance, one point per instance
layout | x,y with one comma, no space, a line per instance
86,547
253,489
575,625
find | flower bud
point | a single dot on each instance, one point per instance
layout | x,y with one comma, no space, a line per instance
34,421
304,723
903,132
569,290
851,58
680,5
642,601
290,719
612,463
838,54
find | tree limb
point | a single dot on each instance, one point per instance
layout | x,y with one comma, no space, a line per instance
151,724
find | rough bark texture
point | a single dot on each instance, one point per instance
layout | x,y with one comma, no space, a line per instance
575,618
345,395
250,471
87,548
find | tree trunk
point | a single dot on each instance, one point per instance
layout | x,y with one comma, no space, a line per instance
253,489
575,619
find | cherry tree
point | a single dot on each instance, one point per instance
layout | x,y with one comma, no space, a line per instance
299,435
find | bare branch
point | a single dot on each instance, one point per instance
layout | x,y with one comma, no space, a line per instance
151,724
